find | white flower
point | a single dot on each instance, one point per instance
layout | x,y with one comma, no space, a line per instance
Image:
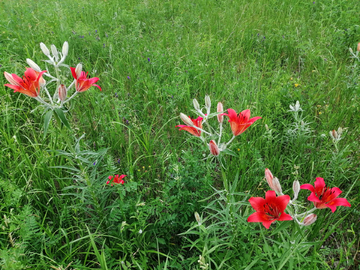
140,231
296,107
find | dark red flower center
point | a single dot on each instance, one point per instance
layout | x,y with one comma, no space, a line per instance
271,210
325,194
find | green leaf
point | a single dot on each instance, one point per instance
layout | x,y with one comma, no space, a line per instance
229,152
47,119
62,117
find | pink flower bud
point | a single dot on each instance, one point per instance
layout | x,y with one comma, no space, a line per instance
62,92
334,135
269,178
309,219
220,109
358,47
214,149
277,186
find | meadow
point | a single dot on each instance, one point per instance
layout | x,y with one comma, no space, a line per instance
179,207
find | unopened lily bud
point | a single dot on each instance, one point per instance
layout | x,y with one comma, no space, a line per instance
33,65
296,189
62,92
186,120
214,149
220,109
334,135
197,217
44,49
54,52
351,51
269,178
207,103
65,48
309,219
340,131
358,47
277,186
78,70
267,127
196,104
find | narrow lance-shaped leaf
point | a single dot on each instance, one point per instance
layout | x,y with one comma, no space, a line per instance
47,119
62,117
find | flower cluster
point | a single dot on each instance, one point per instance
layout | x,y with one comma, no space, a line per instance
116,180
272,208
239,122
33,84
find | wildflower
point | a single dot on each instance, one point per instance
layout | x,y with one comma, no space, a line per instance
296,84
336,135
198,218
207,104
269,178
117,179
269,209
296,107
277,186
358,47
191,128
82,83
65,48
323,197
240,122
148,59
33,65
196,104
128,77
309,219
30,83
54,52
214,149
296,189
44,49
62,92
219,109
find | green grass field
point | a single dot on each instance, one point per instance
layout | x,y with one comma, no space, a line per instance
153,58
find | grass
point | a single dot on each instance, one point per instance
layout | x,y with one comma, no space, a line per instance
152,59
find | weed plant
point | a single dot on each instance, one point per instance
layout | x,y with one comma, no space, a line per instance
153,58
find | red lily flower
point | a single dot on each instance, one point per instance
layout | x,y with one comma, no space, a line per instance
240,122
28,85
323,197
82,82
197,122
117,180
269,209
